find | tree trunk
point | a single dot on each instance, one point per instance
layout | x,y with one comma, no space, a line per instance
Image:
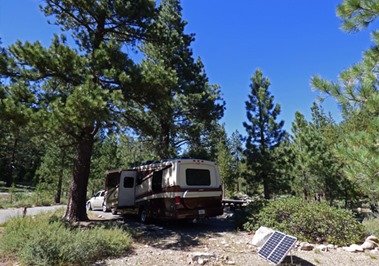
59,190
11,166
266,188
164,144
76,206
60,178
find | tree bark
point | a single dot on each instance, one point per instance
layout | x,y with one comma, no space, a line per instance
164,139
9,178
266,188
60,179
76,206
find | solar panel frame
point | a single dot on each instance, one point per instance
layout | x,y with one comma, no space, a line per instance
276,248
270,244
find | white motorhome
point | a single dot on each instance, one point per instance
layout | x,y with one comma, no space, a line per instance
169,189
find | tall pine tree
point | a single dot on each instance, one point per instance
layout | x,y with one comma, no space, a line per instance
315,167
81,91
357,93
264,133
182,108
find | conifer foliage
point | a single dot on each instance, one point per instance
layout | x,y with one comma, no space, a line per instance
182,108
79,89
264,133
86,86
357,93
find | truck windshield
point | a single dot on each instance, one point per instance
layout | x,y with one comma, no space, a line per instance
198,177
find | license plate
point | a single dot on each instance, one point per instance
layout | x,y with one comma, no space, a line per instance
201,212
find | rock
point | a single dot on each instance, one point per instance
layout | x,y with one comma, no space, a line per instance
201,258
201,261
368,245
322,248
372,238
261,236
353,248
305,246
331,246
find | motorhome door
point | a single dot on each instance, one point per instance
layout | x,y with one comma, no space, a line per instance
126,191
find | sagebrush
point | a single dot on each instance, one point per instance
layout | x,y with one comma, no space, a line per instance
46,240
371,225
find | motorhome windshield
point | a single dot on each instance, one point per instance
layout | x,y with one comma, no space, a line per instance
198,177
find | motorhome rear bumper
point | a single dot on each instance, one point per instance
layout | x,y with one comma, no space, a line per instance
198,213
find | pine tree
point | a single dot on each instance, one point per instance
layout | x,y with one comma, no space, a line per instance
315,166
235,146
53,174
264,134
19,152
357,94
226,161
182,108
81,91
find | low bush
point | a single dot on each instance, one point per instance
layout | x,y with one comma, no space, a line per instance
371,225
28,199
253,209
16,200
46,240
309,221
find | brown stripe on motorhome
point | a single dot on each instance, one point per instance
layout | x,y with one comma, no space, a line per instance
176,189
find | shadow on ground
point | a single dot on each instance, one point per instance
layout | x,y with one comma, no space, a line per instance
178,235
184,235
295,261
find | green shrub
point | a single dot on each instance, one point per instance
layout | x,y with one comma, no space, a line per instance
312,222
29,199
45,240
253,209
371,225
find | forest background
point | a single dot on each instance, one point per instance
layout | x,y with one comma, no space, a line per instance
83,104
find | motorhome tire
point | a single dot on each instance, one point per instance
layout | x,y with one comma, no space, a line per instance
143,216
105,207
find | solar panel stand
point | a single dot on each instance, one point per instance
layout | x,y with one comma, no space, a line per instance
291,256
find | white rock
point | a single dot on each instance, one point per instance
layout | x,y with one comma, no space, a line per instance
261,236
353,248
368,245
331,246
203,256
322,248
305,246
372,238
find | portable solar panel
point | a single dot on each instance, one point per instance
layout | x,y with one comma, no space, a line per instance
276,247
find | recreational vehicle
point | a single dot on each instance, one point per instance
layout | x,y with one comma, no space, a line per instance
169,189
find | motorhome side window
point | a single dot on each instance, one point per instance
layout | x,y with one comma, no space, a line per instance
198,177
128,182
157,181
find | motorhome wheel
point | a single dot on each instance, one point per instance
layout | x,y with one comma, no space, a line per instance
105,207
143,216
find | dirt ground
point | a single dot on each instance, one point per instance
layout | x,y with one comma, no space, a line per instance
216,242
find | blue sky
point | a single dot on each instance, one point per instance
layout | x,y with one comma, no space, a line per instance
290,41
